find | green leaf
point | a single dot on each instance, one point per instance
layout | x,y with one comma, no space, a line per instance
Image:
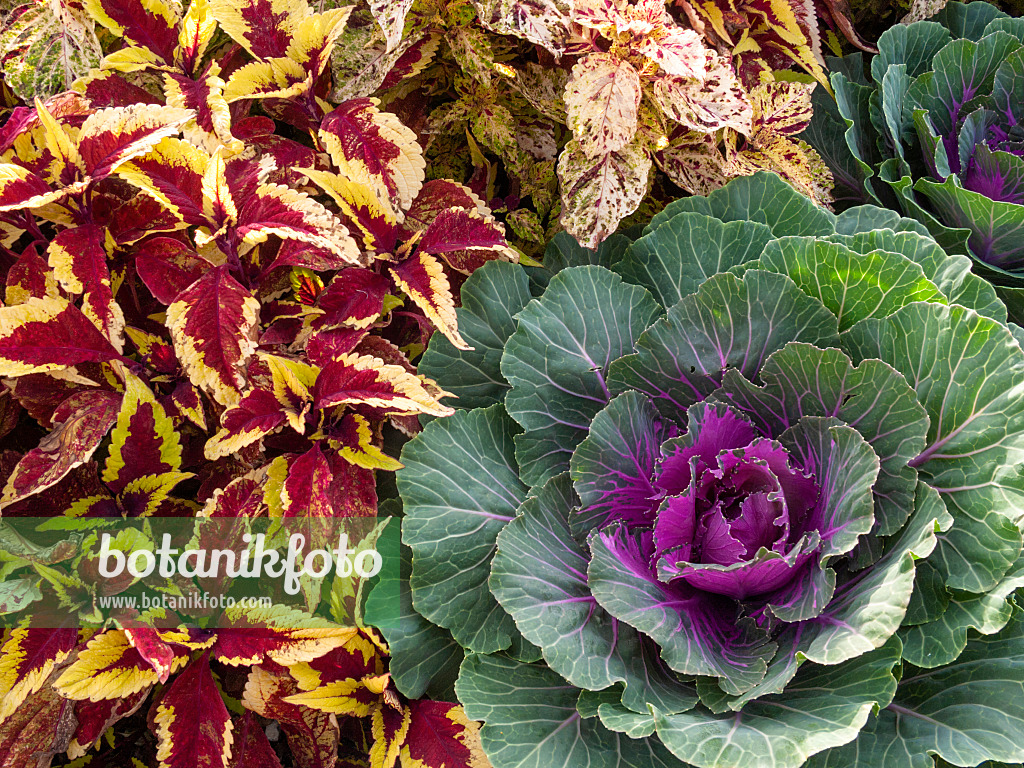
941,641
539,576
557,362
424,657
967,712
728,323
763,197
531,720
913,45
853,285
491,297
822,707
970,20
673,260
803,380
968,372
869,218
951,273
460,487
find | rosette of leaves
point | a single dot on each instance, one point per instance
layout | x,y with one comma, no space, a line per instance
933,128
743,492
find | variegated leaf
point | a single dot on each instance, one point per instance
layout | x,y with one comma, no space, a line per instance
213,326
192,725
542,22
602,99
211,126
364,380
422,278
598,193
263,27
78,259
27,658
114,136
110,667
172,174
152,24
717,102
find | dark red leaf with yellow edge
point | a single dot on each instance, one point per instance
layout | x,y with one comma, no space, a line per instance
151,25
81,423
205,97
167,267
252,748
257,414
242,497
78,259
358,658
95,717
20,188
26,660
422,277
354,440
29,276
38,730
111,89
139,217
49,334
144,443
192,725
256,634
111,668
188,404
330,344
353,488
441,736
364,380
263,27
374,148
295,253
389,727
113,136
41,395
306,489
213,327
172,174
439,195
354,298
466,239
312,735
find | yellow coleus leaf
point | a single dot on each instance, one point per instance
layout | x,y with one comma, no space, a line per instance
315,36
195,33
292,380
279,78
357,447
109,668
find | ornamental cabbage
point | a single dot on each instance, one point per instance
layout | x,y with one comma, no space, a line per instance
937,131
745,492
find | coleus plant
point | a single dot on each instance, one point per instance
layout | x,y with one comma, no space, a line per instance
592,95
745,492
934,129
215,282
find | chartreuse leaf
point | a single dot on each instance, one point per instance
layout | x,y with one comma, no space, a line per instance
822,707
951,273
852,285
763,197
539,576
424,657
491,297
728,323
968,372
803,380
673,260
967,712
460,486
531,721
557,361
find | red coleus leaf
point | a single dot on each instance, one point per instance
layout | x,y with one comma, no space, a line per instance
81,423
439,736
354,298
172,174
26,660
422,277
154,649
49,334
192,725
78,259
255,635
360,379
110,89
95,717
313,736
262,27
205,97
213,326
330,344
466,239
305,491
389,727
257,414
188,404
353,487
355,442
439,195
111,137
242,497
252,748
168,266
29,276
144,444
151,25
38,730
374,148
21,188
